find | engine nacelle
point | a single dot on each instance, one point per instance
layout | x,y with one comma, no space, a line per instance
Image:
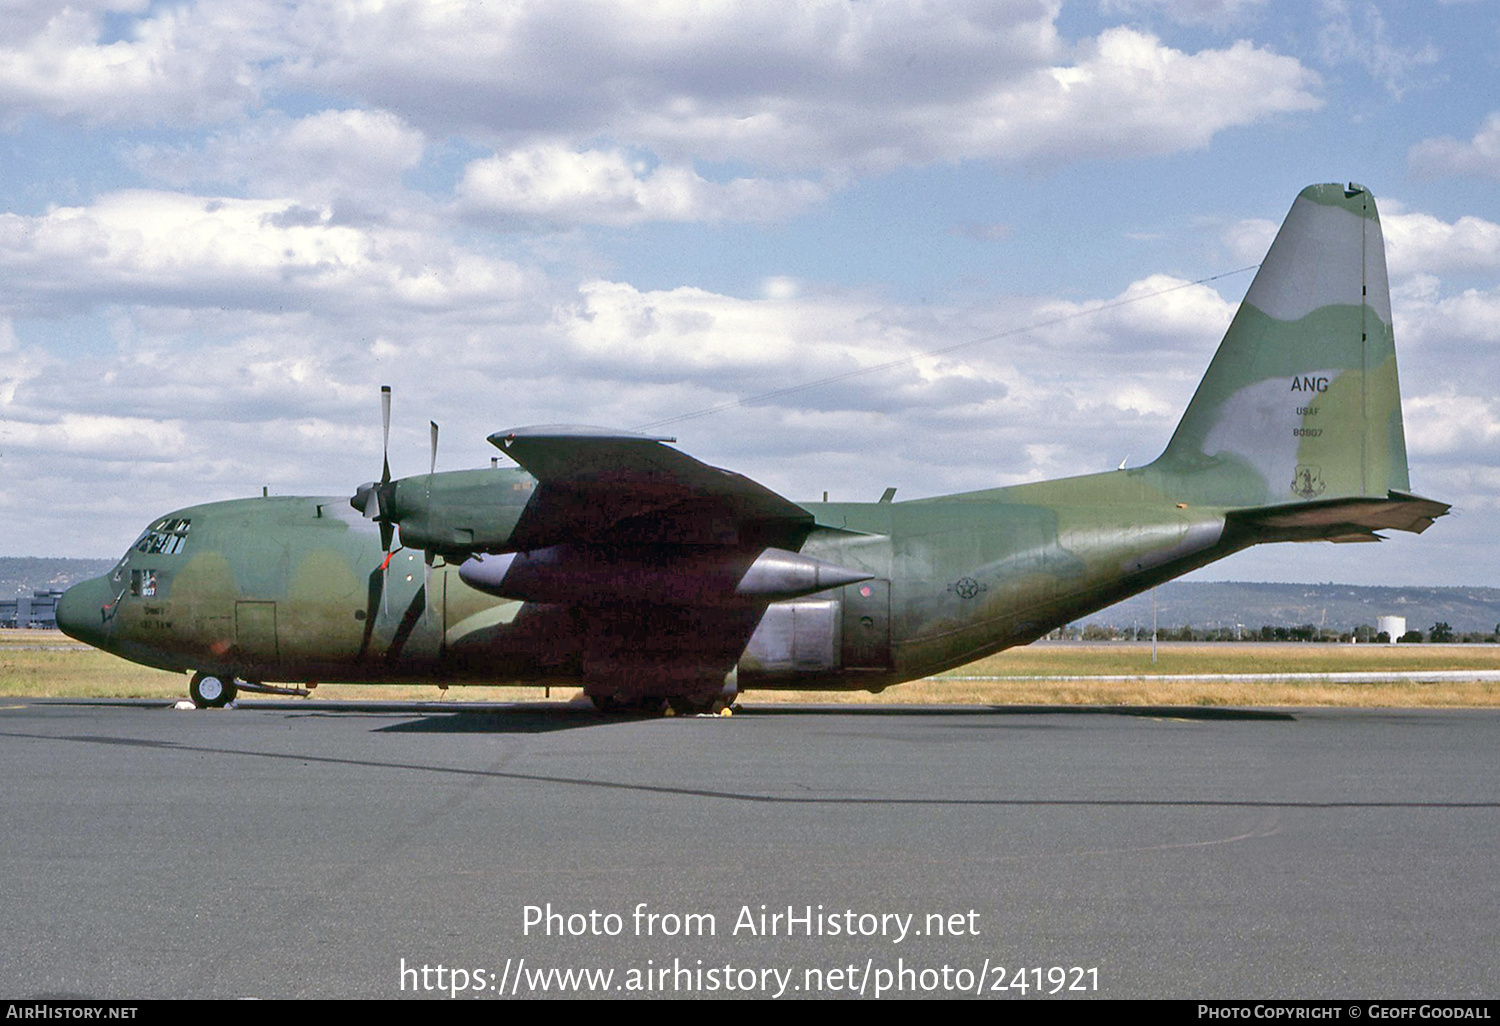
585,575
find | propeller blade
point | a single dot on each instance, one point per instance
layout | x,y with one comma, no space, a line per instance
433,425
427,582
387,536
385,445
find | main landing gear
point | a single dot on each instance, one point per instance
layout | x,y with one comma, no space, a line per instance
705,699
657,705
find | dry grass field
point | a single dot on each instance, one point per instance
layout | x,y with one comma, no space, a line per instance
48,664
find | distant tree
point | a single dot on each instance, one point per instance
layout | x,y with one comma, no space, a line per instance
1440,632
1382,638
1411,638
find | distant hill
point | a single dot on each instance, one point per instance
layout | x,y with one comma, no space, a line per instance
1212,604
28,573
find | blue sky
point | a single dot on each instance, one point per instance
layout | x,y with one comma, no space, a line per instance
224,224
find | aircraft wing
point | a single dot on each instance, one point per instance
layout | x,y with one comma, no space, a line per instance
601,487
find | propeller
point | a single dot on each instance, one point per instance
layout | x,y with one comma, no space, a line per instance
376,501
372,498
427,554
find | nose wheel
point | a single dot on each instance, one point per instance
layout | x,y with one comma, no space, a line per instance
211,691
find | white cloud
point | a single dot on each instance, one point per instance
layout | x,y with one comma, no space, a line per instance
83,433
780,287
1248,240
794,84
1441,425
161,248
1158,312
1360,36
1479,157
1421,243
677,332
1427,318
349,156
1219,14
22,18
187,64
1416,243
1128,95
591,67
553,184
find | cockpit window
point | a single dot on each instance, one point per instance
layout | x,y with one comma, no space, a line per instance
166,537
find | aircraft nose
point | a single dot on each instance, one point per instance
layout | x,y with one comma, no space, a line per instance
80,611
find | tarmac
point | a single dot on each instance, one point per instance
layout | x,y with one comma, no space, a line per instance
319,849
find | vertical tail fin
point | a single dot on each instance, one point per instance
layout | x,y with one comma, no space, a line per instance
1301,403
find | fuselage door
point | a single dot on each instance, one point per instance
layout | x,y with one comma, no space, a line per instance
867,625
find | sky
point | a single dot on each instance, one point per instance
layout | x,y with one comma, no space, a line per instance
999,240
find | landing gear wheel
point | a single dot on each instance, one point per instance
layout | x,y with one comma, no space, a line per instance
693,705
604,703
706,700
648,705
211,690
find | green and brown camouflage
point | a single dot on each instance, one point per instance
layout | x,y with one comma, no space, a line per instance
616,562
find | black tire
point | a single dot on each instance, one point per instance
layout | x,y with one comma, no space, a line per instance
692,705
211,690
703,701
640,705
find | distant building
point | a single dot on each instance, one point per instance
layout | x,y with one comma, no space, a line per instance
39,609
1391,626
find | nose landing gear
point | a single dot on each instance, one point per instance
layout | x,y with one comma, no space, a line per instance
211,691
216,690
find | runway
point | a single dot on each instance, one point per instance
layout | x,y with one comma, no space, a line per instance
313,850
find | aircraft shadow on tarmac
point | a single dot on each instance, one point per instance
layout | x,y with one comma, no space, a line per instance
545,719
508,721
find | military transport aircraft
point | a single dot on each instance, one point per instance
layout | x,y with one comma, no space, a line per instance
613,561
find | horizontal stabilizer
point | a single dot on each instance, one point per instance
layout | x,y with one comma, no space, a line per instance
1347,519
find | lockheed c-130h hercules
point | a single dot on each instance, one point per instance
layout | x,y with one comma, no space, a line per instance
616,562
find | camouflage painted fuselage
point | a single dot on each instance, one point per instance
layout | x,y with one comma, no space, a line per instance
279,589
